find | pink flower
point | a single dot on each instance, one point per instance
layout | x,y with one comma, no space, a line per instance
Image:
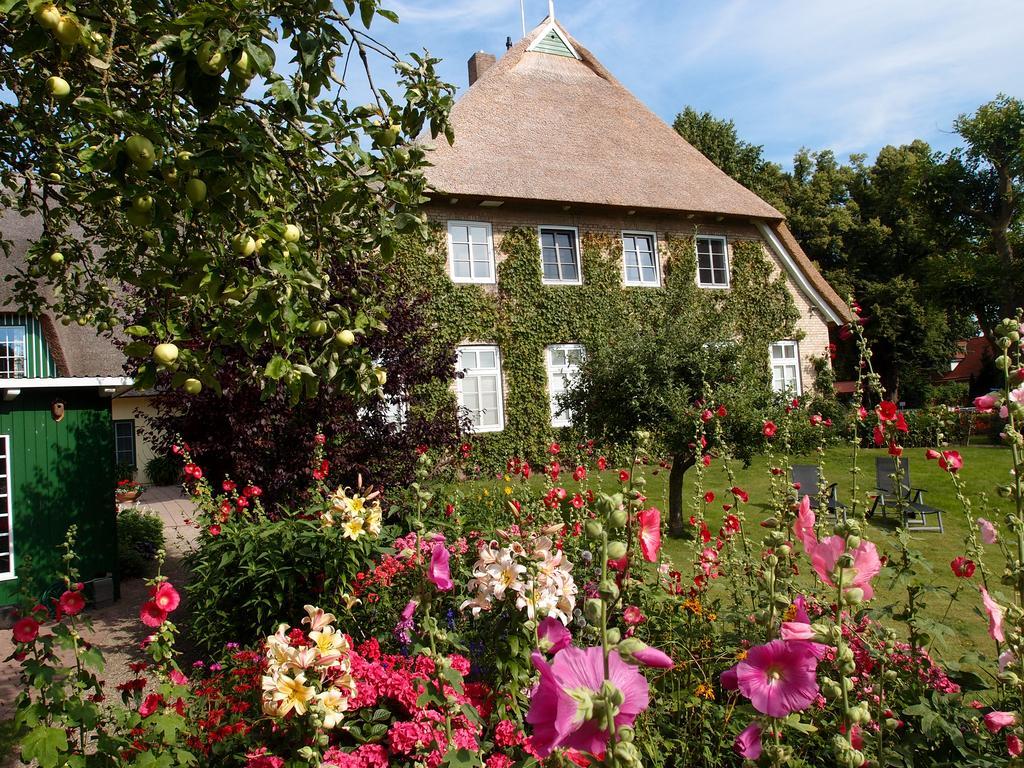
150,704
633,616
988,531
178,677
796,630
1014,746
803,528
951,461
779,677
1017,395
996,721
556,715
995,616
165,596
986,403
152,615
439,573
409,610
866,563
650,533
1005,659
552,635
652,657
25,630
748,743
71,602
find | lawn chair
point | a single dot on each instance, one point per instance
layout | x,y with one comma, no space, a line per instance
806,475
916,513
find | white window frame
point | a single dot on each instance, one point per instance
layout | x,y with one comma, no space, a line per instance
657,260
562,418
11,573
728,266
490,253
799,390
13,359
500,387
579,254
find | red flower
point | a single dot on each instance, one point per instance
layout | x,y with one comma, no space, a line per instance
602,463
709,497
931,453
879,436
228,486
901,423
554,449
152,615
577,501
421,449
193,471
320,439
165,596
706,415
740,494
962,567
252,490
731,524
887,410
150,704
25,630
579,473
895,450
769,429
706,460
951,461
721,412
554,470
623,476
71,602
214,530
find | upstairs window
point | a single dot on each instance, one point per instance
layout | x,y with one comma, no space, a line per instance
640,259
12,352
479,387
712,262
563,364
470,252
559,256
786,367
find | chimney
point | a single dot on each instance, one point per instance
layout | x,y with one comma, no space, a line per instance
479,63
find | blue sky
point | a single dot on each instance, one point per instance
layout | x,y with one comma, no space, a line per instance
848,76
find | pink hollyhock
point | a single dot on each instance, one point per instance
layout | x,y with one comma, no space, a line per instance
633,616
931,453
552,636
1005,659
803,528
1014,746
25,630
71,602
986,403
439,573
988,531
779,677
579,473
996,721
769,429
555,712
748,743
152,615
165,596
740,494
260,759
995,616
796,630
652,657
150,704
178,677
962,567
951,461
650,533
866,563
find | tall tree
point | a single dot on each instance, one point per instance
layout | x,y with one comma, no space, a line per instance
193,191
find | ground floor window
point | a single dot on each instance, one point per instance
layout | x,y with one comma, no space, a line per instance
479,387
6,515
786,367
124,442
563,365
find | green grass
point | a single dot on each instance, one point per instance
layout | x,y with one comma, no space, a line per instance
984,468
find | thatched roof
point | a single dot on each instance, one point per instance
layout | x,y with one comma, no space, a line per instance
537,126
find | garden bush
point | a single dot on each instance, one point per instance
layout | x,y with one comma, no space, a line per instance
140,535
164,470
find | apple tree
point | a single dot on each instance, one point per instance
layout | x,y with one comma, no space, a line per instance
205,189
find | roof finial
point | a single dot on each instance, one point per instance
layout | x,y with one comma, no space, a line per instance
551,9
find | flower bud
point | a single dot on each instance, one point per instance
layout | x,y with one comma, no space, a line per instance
891,723
616,550
854,596
770,522
617,519
853,542
614,636
608,589
592,610
785,550
845,560
594,529
891,674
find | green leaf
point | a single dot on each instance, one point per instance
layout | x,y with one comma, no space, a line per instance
44,744
367,9
277,368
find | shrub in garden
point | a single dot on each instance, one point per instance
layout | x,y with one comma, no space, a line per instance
164,469
140,535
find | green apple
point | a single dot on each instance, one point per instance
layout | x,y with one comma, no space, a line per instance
48,16
242,66
345,338
57,87
166,353
317,328
292,233
244,245
195,191
387,135
193,386
382,376
143,203
259,244
211,60
183,161
67,31
139,218
140,151
56,257
171,175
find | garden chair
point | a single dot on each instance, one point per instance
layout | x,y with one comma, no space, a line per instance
916,513
806,475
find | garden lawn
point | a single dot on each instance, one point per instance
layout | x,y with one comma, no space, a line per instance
984,468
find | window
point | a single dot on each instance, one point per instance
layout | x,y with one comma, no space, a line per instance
640,256
563,364
479,388
786,367
124,442
470,252
712,262
559,255
12,352
6,516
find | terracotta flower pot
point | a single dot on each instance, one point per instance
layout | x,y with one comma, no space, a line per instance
123,497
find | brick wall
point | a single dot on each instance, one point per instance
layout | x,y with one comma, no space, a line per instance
815,338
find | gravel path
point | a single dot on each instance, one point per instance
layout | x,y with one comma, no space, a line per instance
117,630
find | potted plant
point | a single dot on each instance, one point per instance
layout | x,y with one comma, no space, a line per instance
127,490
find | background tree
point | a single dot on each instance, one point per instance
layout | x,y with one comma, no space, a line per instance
195,192
663,366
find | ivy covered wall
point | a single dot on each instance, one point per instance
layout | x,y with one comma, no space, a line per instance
522,316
